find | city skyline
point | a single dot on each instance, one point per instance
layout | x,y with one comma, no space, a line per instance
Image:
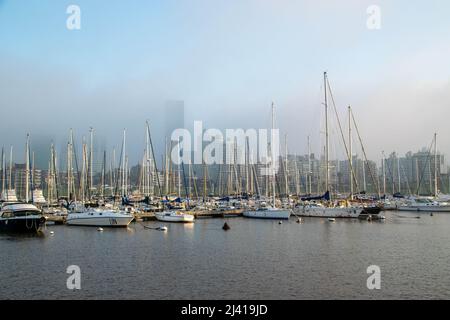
115,72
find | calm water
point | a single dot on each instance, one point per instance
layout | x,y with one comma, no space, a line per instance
256,259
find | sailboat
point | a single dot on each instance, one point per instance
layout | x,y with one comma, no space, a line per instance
327,208
8,192
21,217
96,217
264,210
427,204
174,215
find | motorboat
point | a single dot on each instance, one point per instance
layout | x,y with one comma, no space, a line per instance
99,218
21,218
174,216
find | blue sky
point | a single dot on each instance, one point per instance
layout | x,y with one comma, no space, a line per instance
227,60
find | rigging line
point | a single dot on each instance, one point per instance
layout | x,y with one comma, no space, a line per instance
154,159
406,178
365,156
342,135
117,180
424,165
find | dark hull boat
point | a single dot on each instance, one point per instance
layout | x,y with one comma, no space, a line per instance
371,213
21,218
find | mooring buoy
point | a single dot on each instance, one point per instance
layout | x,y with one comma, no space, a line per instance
226,226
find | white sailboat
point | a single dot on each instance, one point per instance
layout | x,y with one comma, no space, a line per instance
426,204
95,217
265,211
99,218
174,216
330,210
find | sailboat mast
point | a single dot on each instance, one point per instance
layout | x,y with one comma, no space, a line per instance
384,174
91,161
286,187
309,168
272,142
10,168
327,175
3,173
435,166
350,157
399,175
27,170
123,163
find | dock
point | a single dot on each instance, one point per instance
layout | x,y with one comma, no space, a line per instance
56,219
217,213
144,216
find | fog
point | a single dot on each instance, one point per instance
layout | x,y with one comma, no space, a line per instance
227,61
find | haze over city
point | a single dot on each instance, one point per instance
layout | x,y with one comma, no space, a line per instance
227,61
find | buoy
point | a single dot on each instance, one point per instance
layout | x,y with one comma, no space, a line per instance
280,222
331,219
100,229
163,228
52,232
226,226
299,220
431,214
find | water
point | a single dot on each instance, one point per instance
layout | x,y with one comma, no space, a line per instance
256,259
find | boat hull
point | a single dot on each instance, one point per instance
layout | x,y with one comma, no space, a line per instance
184,218
22,225
113,221
424,208
268,214
324,212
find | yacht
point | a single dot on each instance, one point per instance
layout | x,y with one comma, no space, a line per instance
268,212
99,218
21,217
174,216
319,210
424,204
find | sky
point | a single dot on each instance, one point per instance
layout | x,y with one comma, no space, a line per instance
227,60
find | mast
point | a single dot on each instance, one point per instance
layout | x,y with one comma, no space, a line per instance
350,156
435,166
399,176
384,173
3,173
91,161
364,175
273,155
69,166
27,170
123,163
309,168
10,168
103,174
327,175
286,187
179,168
